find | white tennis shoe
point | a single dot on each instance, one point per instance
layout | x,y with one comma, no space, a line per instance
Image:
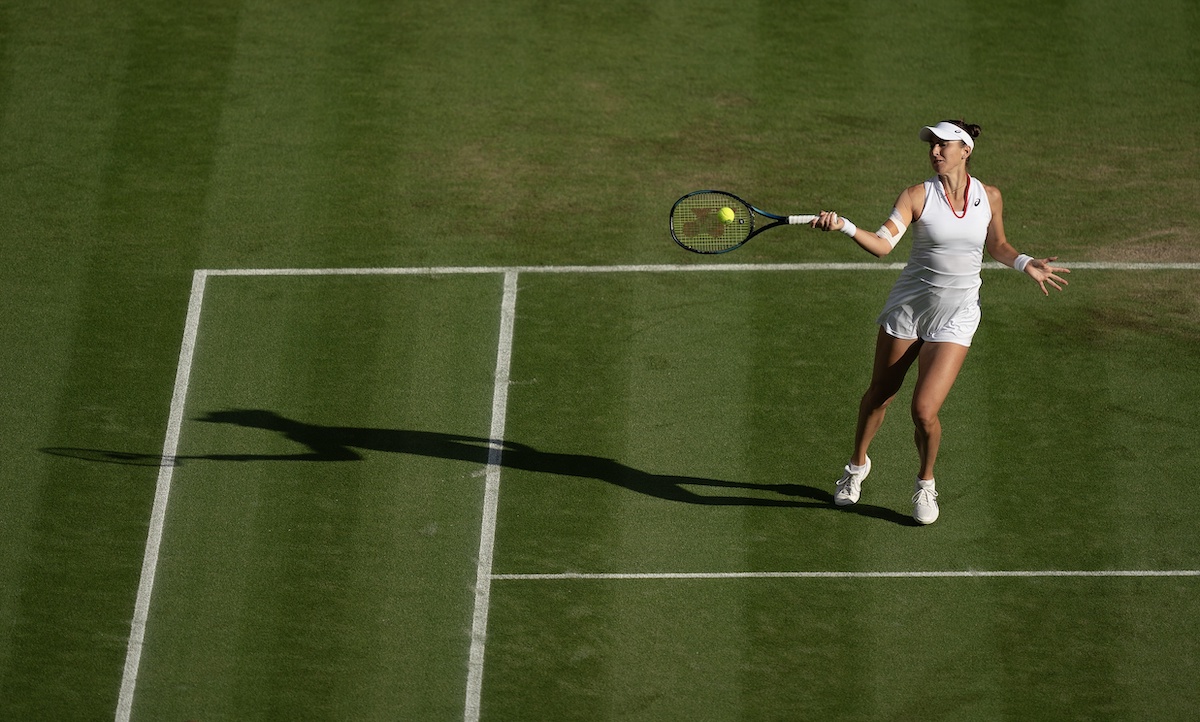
925,507
850,485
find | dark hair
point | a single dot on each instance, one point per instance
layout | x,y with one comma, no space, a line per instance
972,129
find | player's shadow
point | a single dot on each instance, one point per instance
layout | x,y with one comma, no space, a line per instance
344,443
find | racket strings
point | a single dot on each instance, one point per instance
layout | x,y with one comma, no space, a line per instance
697,223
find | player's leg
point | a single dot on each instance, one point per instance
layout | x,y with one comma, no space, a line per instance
893,357
938,367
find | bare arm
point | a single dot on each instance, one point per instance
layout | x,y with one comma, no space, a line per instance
1000,249
996,244
880,243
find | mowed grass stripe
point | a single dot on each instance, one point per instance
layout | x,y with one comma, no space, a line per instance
565,427
922,627
688,353
116,252
597,380
318,555
318,132
59,107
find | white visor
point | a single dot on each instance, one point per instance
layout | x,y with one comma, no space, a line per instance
946,131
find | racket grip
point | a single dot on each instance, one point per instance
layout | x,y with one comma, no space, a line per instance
800,220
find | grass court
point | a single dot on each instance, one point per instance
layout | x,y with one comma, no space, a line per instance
351,373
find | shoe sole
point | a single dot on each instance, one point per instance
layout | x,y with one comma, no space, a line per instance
926,522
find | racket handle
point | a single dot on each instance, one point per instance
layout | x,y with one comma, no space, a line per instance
801,220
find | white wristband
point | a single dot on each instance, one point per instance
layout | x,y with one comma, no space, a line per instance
1022,261
849,228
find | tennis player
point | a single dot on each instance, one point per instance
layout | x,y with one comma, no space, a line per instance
933,309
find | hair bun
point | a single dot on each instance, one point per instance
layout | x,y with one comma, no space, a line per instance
972,129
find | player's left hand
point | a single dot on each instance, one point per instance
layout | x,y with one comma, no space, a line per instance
1042,271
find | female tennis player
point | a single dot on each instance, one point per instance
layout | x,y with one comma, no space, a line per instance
933,309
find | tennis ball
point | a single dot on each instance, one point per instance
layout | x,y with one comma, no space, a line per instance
726,215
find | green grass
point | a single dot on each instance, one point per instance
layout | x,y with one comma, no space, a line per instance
142,142
296,581
914,649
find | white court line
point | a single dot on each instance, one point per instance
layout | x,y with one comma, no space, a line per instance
661,268
162,490
644,268
570,576
491,499
1106,266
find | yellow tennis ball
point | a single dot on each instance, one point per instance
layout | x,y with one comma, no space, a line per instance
726,215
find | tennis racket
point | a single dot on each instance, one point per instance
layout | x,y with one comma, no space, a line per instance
718,222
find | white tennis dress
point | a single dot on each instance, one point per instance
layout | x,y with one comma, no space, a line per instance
936,297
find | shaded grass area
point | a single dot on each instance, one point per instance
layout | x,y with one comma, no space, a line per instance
843,650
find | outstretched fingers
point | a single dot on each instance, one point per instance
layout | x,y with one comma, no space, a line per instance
1047,273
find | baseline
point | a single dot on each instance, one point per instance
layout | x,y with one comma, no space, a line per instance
661,268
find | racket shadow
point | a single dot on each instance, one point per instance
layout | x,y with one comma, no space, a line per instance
346,443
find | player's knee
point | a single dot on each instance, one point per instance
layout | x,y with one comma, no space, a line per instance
925,416
878,397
